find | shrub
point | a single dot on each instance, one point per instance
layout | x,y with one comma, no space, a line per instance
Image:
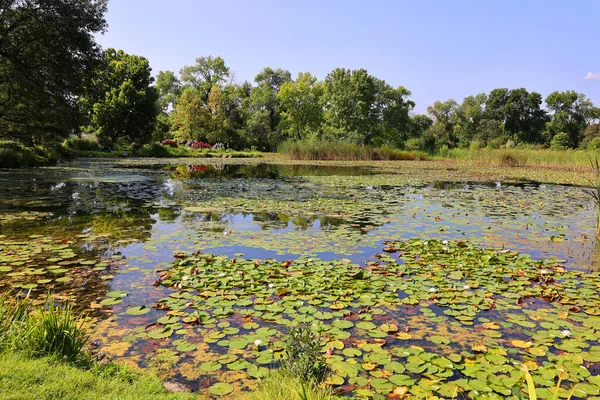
560,141
594,144
303,357
200,145
169,142
475,145
154,150
444,151
510,144
84,143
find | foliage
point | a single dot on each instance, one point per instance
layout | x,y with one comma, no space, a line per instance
279,386
47,53
55,330
560,141
318,150
121,102
84,143
303,357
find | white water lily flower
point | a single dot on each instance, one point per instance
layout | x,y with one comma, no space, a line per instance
222,274
257,342
444,242
432,290
466,287
271,286
185,278
544,271
566,333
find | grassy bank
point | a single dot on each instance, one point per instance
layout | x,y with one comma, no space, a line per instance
25,378
546,158
345,151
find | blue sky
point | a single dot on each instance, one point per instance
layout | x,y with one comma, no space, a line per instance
437,49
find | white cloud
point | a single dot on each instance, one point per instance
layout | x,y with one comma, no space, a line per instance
592,75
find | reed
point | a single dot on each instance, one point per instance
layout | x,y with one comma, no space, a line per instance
339,151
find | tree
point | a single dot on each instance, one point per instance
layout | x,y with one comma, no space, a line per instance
394,113
349,102
47,52
571,112
468,117
300,101
169,89
519,111
443,127
190,116
122,102
418,125
207,73
274,79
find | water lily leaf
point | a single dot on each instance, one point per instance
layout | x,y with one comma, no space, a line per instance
221,389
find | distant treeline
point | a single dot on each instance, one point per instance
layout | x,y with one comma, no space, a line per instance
56,82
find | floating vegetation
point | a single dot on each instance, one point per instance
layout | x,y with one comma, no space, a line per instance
301,245
428,318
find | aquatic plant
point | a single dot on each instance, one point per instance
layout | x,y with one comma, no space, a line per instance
54,329
280,386
303,357
345,151
595,191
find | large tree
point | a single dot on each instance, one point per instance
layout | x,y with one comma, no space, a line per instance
442,113
122,102
571,112
520,111
300,101
206,73
349,102
47,51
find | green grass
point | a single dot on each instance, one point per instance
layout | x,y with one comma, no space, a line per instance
345,151
542,158
23,378
278,386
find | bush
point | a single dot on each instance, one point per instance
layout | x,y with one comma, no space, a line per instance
169,142
560,141
154,150
475,145
17,157
594,144
444,151
84,143
303,357
510,144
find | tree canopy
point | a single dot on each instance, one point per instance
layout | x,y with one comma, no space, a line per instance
47,53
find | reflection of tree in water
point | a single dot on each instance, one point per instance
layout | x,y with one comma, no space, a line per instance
134,225
168,214
259,171
300,222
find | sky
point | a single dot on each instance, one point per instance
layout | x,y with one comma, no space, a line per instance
436,49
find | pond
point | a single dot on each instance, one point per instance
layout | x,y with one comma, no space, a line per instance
198,270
